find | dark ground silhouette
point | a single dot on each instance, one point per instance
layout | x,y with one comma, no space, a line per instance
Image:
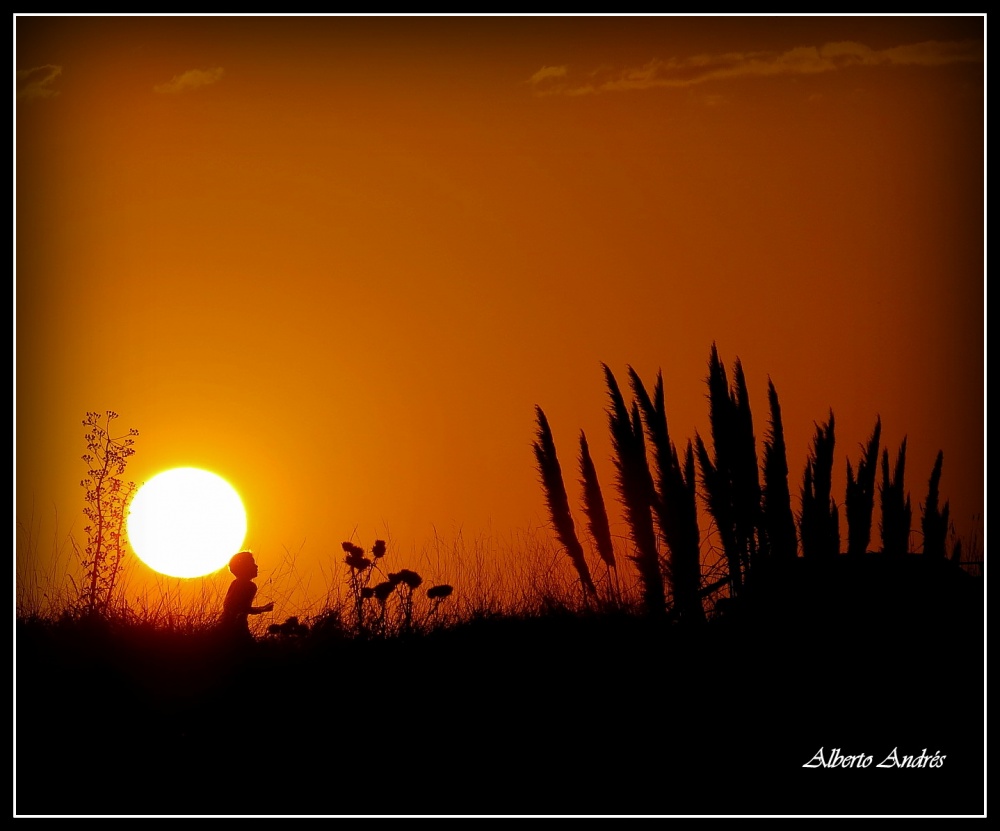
562,714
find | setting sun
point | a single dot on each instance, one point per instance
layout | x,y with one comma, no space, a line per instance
186,522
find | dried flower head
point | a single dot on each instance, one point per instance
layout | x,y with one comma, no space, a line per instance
356,560
352,549
439,592
410,578
383,590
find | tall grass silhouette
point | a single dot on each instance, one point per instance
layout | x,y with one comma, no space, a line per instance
550,473
776,500
819,520
749,502
896,512
935,521
636,492
730,476
860,496
674,502
596,512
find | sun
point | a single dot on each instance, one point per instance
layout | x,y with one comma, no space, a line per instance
186,522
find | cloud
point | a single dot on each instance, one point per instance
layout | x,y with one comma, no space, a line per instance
934,53
37,82
548,72
192,79
803,60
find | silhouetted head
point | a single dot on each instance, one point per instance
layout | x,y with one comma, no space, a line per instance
243,565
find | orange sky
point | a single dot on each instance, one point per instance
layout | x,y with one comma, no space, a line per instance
338,261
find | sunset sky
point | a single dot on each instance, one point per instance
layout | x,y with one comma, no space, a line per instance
338,260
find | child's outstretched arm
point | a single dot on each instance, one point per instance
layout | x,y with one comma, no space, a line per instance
259,610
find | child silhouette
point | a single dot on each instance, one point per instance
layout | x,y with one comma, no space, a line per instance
239,599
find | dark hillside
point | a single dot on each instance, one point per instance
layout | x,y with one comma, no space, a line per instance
534,715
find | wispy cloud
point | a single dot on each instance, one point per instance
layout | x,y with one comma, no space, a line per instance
547,72
190,80
37,82
805,60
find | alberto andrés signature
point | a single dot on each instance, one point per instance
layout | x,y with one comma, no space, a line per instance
836,759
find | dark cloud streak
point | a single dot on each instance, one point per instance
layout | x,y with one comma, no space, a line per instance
805,60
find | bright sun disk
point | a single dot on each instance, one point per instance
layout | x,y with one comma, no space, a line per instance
186,522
